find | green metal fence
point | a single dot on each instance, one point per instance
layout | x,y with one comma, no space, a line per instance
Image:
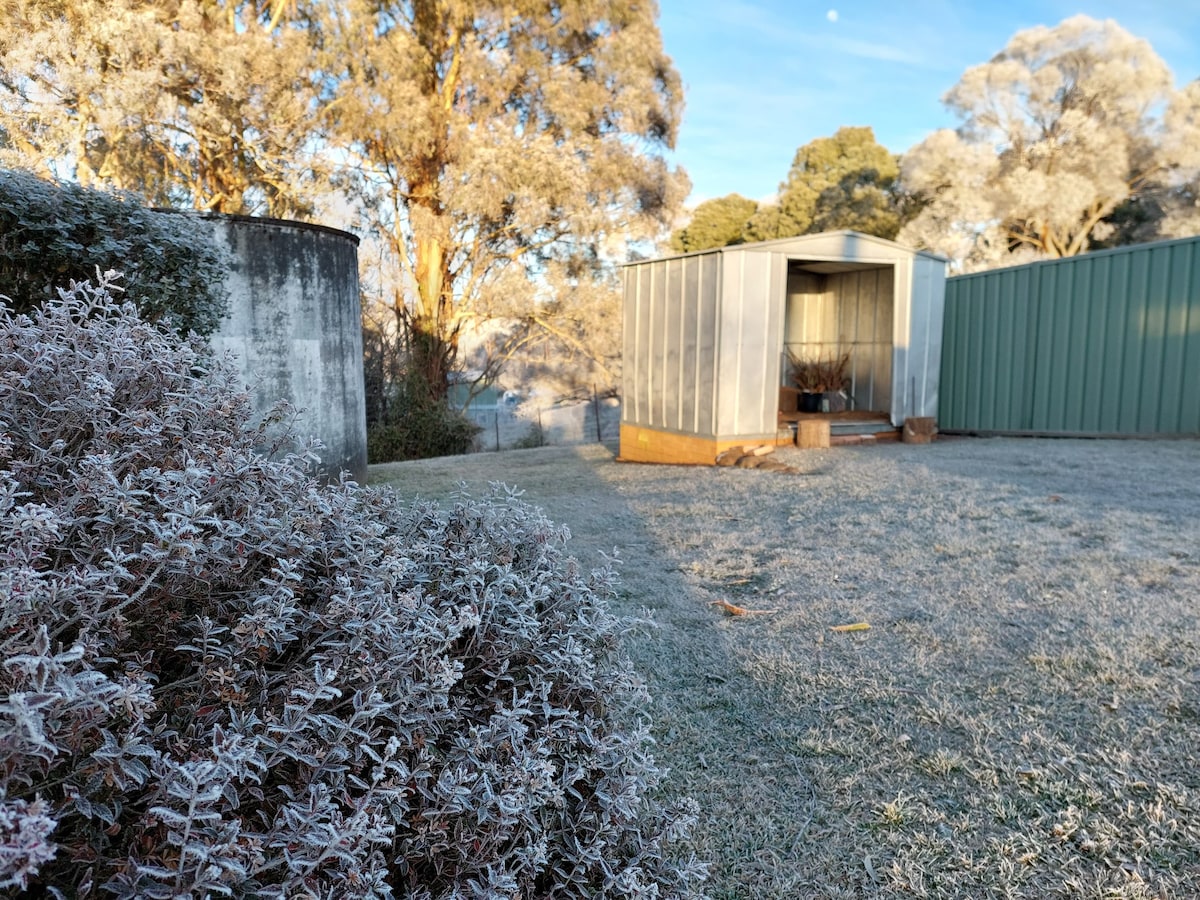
1102,344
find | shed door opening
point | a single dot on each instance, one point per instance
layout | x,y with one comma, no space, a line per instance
835,308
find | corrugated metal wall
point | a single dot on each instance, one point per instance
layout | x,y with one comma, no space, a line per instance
849,312
669,368
702,356
1105,343
917,344
750,321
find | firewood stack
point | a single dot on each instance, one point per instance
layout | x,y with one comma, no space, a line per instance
755,457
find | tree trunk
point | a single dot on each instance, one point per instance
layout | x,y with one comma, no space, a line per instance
431,333
431,354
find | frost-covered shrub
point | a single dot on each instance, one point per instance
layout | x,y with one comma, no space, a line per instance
220,678
50,233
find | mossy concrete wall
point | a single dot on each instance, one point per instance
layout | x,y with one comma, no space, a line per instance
295,327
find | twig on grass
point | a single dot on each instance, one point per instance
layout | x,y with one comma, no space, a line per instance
735,610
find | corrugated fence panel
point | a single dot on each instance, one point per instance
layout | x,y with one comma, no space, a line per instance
1188,328
1117,307
673,337
1092,370
690,341
1105,343
709,268
950,334
1173,339
1134,352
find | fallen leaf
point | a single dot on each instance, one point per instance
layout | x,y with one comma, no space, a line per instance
853,626
735,610
730,608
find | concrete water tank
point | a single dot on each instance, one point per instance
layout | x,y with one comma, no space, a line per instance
294,326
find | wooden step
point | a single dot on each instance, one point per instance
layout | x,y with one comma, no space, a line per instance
850,440
851,427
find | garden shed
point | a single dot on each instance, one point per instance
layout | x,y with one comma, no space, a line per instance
708,338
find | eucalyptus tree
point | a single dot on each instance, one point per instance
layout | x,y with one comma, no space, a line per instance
1068,133
208,104
487,138
492,149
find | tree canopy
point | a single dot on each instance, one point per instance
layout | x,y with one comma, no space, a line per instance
715,223
843,181
1067,135
476,139
205,104
493,136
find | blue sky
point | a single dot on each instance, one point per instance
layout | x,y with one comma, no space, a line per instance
763,77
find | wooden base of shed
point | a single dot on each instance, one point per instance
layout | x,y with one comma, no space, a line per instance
649,445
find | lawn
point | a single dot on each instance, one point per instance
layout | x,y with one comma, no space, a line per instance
1021,718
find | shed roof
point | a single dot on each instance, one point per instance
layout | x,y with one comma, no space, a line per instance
828,245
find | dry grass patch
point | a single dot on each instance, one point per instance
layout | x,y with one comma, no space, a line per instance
1021,718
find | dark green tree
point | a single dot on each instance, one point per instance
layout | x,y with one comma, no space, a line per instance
715,223
844,181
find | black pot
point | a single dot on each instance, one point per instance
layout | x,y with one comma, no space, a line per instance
810,401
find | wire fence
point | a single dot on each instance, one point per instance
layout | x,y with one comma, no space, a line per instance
505,426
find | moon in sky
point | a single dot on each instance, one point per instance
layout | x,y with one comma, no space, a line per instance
831,15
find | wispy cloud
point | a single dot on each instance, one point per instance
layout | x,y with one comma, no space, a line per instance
868,50
773,29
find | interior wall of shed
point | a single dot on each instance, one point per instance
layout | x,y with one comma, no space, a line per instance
831,313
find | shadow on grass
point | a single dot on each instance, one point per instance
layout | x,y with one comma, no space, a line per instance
710,722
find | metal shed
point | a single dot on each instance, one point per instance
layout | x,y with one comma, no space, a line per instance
706,338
